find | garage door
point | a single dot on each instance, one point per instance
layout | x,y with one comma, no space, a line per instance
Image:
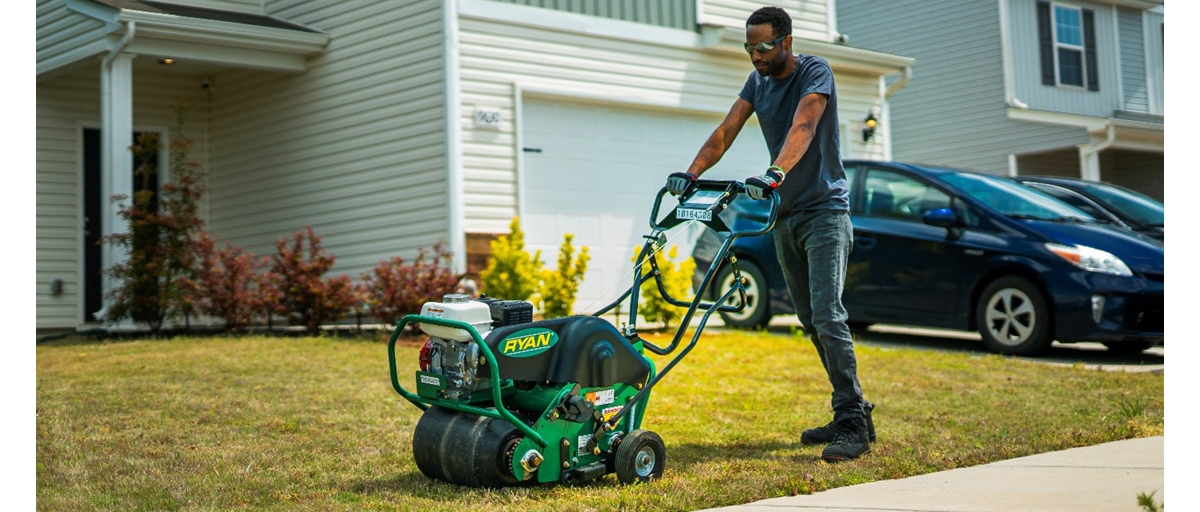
593,171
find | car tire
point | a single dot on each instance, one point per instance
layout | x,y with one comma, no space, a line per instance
757,313
1013,317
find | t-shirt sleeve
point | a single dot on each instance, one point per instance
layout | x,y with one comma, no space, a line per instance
748,89
818,77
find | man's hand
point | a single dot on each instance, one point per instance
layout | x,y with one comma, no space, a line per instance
679,182
757,187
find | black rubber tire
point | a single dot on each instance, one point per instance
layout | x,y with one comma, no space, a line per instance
758,296
464,449
1127,347
640,458
1013,317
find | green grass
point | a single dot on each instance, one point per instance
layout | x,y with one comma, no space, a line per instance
313,424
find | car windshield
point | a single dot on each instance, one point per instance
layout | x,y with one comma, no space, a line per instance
1013,199
1136,206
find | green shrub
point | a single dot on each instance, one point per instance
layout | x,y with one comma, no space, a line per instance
560,286
512,274
677,279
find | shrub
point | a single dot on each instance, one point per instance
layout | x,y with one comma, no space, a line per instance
395,288
162,241
677,279
228,284
511,273
298,288
560,286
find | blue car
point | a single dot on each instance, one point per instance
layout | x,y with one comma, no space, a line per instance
955,249
1106,201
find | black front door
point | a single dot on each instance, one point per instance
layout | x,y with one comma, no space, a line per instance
93,211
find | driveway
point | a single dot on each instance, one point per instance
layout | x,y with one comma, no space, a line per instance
1091,355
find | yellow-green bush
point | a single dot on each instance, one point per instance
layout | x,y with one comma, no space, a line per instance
677,279
512,274
560,286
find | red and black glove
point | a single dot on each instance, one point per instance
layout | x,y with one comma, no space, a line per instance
679,182
757,187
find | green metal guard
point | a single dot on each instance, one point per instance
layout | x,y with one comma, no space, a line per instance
500,412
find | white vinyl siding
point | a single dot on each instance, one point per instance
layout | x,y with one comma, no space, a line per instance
1133,61
65,105
810,18
495,61
246,6
354,147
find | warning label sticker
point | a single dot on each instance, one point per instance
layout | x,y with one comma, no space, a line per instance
581,445
431,380
602,397
608,413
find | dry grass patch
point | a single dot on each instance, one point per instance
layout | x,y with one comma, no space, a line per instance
313,424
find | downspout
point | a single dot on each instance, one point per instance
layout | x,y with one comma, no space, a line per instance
885,113
130,28
1089,154
903,81
454,174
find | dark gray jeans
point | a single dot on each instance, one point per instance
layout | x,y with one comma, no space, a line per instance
813,249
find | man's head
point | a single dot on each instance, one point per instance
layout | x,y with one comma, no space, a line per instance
769,40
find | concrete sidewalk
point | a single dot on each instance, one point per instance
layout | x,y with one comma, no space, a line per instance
1089,479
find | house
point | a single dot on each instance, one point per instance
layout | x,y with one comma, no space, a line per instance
1025,87
389,126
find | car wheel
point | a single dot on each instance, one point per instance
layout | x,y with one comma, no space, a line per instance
756,314
1013,317
1127,347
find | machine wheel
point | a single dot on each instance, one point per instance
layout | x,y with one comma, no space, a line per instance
640,457
1013,318
1127,347
758,300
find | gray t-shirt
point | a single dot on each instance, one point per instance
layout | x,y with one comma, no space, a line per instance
817,181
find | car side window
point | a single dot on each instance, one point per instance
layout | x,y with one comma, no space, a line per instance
891,194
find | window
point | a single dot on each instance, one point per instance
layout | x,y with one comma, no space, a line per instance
889,194
1068,46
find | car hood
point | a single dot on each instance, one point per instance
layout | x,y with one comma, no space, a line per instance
1139,252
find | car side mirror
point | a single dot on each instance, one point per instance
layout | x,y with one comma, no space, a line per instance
941,217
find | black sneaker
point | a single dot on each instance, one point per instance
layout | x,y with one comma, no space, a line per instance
849,441
824,435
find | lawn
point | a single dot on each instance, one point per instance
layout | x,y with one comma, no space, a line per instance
227,423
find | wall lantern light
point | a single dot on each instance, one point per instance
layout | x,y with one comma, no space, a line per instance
869,124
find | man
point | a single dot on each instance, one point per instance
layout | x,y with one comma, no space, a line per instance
796,104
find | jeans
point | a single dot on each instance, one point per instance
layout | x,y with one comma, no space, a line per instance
813,248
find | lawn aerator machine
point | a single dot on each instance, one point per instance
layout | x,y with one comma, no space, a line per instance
511,401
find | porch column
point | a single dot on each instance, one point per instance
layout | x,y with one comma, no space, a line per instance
116,160
1089,163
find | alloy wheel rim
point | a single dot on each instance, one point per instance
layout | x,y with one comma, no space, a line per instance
1010,317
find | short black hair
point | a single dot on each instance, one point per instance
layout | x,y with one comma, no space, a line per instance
781,23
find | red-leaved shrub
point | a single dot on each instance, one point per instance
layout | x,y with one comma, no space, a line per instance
297,286
395,288
228,284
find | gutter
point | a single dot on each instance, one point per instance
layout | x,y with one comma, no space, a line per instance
130,29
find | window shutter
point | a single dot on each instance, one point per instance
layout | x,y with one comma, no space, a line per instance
1046,42
1089,49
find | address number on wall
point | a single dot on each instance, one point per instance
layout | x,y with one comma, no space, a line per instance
487,118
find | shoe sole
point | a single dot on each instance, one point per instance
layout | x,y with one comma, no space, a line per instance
842,459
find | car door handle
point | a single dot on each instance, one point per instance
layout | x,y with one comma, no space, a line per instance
865,242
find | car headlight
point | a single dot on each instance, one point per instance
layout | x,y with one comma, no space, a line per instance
1091,259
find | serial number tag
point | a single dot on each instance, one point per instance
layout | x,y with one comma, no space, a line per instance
690,214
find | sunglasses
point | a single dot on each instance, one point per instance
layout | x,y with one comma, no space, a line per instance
762,47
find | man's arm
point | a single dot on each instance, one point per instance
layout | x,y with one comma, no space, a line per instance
804,126
720,140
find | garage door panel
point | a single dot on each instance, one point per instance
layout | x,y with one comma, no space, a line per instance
597,175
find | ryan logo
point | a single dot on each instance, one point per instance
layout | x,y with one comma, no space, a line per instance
528,342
